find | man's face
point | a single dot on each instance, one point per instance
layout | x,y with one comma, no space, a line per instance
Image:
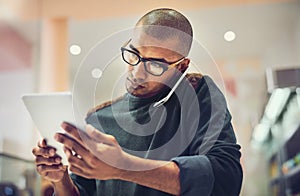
139,82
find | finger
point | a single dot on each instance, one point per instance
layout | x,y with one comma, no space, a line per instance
77,160
47,152
40,160
42,143
79,135
81,172
76,170
99,136
67,151
71,143
72,130
44,169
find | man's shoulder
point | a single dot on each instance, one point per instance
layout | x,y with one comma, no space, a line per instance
103,105
194,79
205,86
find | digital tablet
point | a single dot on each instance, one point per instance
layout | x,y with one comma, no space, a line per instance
48,111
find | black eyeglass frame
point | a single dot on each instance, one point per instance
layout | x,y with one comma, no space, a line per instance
145,60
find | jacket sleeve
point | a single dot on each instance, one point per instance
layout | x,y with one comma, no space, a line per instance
85,186
212,164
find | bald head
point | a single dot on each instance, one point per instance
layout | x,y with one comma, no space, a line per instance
164,24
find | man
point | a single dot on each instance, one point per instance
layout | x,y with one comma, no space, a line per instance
136,145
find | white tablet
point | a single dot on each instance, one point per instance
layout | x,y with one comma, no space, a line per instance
48,111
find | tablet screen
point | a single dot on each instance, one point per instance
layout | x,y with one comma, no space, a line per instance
48,111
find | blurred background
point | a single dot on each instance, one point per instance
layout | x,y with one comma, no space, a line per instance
254,43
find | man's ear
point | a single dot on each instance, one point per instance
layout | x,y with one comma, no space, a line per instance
182,66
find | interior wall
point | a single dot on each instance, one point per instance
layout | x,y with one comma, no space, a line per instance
16,126
18,59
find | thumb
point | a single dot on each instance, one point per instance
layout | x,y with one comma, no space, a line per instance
42,143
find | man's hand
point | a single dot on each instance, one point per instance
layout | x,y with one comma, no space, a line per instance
48,163
92,154
95,155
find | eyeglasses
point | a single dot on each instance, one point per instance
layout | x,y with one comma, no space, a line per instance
153,66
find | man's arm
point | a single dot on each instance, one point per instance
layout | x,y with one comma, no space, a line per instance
49,166
65,186
161,175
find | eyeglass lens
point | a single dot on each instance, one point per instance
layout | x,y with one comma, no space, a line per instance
151,66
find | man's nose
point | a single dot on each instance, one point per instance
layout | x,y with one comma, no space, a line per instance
138,71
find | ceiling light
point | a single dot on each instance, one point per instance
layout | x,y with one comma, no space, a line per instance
75,49
96,73
229,36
